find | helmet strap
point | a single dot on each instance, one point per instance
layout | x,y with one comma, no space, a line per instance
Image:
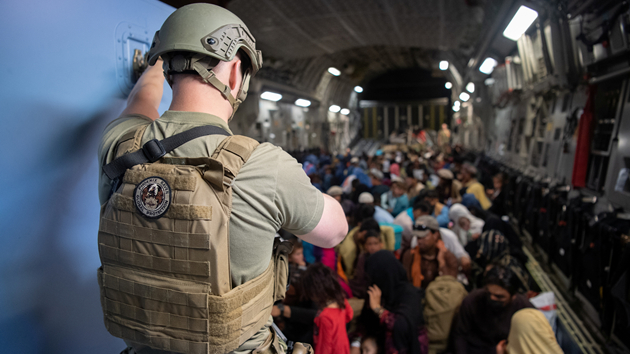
203,65
210,77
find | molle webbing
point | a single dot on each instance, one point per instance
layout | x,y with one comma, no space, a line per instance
184,322
166,282
175,211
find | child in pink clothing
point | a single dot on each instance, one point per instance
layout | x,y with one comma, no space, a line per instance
321,286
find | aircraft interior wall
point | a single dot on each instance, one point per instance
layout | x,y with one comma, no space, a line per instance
64,80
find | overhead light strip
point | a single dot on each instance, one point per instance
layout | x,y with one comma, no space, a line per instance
521,21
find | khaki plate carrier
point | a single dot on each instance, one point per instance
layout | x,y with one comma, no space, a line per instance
166,282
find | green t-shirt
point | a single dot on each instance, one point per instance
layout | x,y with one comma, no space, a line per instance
271,192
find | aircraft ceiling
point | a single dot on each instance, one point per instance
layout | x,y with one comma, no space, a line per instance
361,38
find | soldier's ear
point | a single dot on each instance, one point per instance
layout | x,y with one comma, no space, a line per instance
236,76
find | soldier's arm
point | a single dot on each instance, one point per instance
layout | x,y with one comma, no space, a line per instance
146,95
332,227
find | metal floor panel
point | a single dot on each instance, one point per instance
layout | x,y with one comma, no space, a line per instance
571,322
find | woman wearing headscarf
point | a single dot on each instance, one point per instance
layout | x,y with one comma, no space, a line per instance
492,249
530,333
492,222
466,226
394,307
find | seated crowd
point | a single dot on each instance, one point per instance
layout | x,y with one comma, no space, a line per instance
430,264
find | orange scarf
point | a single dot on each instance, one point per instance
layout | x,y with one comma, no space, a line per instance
416,270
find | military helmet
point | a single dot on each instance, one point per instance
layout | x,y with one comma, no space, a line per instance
196,36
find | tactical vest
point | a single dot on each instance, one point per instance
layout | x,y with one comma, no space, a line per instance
165,278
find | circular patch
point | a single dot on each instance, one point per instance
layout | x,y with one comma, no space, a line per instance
152,197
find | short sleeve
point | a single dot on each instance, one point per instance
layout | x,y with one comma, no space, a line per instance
113,132
299,203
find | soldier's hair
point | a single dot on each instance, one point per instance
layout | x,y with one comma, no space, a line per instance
320,285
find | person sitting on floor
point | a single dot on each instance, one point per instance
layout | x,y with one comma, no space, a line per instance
393,313
440,211
485,314
429,258
396,201
349,249
381,215
530,333
466,226
359,283
422,208
471,185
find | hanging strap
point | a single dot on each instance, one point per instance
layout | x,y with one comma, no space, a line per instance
155,149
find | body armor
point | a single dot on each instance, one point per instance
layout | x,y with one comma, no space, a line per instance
165,281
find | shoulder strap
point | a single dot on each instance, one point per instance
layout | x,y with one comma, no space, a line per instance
130,141
154,149
233,152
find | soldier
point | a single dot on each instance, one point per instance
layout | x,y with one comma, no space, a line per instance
189,212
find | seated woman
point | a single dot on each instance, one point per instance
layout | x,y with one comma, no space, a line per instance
485,314
492,248
393,313
530,333
466,226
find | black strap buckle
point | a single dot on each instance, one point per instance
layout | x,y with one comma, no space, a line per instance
153,150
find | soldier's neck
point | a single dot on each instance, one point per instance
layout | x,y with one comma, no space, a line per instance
197,96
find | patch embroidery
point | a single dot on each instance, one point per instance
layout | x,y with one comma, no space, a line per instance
152,197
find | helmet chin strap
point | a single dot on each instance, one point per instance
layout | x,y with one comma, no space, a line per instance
210,77
201,64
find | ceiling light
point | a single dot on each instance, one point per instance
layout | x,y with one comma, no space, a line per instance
455,108
334,71
457,103
334,108
489,81
448,85
271,96
443,65
302,102
520,23
358,89
470,87
488,66
464,96
345,111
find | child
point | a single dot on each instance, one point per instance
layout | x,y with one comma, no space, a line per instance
371,244
297,265
320,285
